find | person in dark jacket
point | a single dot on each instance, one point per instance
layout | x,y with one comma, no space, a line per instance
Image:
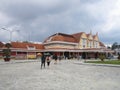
43,58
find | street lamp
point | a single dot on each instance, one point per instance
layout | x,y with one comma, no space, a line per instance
10,31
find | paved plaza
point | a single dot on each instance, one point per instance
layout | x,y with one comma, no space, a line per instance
65,75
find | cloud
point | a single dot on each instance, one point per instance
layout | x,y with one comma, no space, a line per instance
4,18
107,12
38,19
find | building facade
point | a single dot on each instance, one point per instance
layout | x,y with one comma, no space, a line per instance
62,45
78,44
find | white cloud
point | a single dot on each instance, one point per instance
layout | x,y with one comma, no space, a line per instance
113,18
46,17
107,12
4,19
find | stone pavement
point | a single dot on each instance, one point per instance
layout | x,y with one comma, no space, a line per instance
65,75
18,61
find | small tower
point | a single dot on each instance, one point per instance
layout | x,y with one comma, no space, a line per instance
90,32
96,33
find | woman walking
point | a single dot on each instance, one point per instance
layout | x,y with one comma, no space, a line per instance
55,57
48,59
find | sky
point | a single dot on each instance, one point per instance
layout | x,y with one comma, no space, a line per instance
35,20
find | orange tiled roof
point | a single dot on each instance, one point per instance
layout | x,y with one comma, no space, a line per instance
25,44
1,45
88,35
61,37
77,36
101,44
94,36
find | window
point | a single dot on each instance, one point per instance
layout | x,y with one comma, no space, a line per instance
96,44
91,43
84,42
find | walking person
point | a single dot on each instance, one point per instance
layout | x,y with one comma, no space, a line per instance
55,57
48,59
43,61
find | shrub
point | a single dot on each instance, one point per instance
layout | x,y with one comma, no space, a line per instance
7,52
119,57
102,57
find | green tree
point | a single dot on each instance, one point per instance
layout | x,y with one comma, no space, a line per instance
102,56
7,52
115,46
1,44
8,45
119,56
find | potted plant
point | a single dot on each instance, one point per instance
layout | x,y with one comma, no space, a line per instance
7,52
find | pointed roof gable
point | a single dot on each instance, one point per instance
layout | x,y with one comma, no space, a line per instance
90,37
78,36
95,37
101,44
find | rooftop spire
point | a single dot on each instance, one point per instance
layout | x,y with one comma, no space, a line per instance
91,32
57,33
96,33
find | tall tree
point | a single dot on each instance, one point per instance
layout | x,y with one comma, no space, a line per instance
8,45
1,44
115,46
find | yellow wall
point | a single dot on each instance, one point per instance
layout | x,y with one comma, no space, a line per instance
96,38
84,42
83,36
88,40
31,56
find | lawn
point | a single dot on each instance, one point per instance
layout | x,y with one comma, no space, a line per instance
105,62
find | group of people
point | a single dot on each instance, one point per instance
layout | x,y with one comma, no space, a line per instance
45,59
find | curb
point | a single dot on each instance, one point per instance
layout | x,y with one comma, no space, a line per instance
105,65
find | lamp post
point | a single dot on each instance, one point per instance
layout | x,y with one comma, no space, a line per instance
10,31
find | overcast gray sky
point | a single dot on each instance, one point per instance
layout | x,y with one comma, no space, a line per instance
38,19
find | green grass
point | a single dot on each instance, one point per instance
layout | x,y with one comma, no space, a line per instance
105,62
